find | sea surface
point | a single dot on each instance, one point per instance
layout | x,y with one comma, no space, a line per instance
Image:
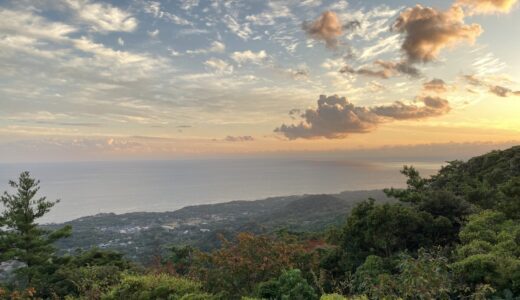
88,188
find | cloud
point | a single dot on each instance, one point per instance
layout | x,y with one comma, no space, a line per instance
244,138
219,65
241,30
33,26
327,28
385,69
299,73
154,8
473,80
189,4
487,63
336,117
427,31
249,56
382,46
402,67
120,41
488,6
35,36
153,33
433,106
215,47
383,73
503,91
498,90
294,113
435,85
192,31
174,52
352,25
276,10
103,17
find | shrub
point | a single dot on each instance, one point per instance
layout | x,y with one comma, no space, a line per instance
160,286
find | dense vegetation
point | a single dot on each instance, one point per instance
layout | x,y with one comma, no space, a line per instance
455,235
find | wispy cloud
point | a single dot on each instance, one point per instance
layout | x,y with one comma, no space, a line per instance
215,47
384,69
492,87
243,138
102,17
219,65
249,56
154,8
488,6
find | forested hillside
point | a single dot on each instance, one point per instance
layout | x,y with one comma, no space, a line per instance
455,235
140,236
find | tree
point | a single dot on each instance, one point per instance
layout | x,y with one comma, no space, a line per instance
290,285
489,253
237,268
21,239
387,229
425,277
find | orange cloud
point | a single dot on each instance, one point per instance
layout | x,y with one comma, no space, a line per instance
435,85
326,28
488,6
427,31
385,69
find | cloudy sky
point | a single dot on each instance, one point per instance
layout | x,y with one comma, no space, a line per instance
87,79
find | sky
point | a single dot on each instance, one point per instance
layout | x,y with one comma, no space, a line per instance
140,79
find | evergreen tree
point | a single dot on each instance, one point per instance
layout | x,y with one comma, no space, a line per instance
21,238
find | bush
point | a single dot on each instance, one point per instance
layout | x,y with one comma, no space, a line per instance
159,286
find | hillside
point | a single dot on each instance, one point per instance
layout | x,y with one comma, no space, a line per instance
493,169
490,181
144,234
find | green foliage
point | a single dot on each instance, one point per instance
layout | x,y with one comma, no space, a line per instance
489,181
88,281
426,276
371,274
449,209
159,286
332,297
89,273
181,259
21,238
290,285
385,230
490,252
509,197
416,186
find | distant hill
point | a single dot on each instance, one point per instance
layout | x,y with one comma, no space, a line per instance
141,234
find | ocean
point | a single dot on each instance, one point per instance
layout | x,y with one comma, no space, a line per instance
88,188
